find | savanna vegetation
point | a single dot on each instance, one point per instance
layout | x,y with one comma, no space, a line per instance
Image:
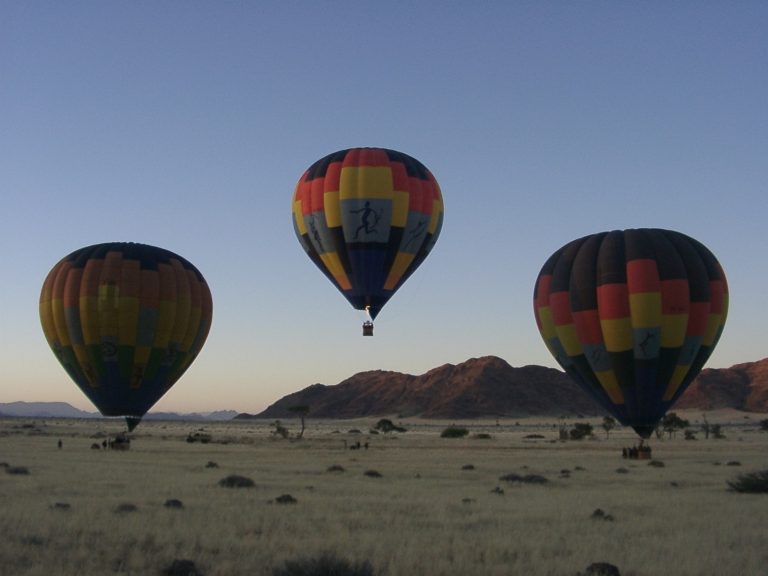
521,500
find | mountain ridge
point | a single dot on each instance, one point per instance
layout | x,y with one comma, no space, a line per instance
489,387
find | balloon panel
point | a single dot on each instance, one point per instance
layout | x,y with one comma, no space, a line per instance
125,321
367,217
632,316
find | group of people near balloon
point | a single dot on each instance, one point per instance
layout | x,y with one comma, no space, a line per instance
631,316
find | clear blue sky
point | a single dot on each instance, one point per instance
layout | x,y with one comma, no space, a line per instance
186,125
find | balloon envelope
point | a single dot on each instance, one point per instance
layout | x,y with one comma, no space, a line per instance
632,316
367,217
125,321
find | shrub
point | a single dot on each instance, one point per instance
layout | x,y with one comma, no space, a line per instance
182,568
753,483
201,437
235,481
468,467
527,479
286,499
335,468
454,432
327,564
764,425
17,470
126,508
173,503
372,474
601,569
599,514
482,436
386,426
580,430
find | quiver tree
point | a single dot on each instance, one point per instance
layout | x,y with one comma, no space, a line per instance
301,410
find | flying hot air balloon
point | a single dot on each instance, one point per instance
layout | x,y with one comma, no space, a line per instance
367,217
632,316
125,321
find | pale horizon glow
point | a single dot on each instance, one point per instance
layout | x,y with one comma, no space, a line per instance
186,125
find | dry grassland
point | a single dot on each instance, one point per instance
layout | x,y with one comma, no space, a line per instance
426,514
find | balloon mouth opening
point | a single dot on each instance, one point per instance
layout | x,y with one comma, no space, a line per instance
644,431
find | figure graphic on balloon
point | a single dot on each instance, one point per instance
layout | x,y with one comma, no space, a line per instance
632,316
367,218
125,321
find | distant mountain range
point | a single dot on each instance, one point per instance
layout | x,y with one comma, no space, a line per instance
490,387
479,387
64,410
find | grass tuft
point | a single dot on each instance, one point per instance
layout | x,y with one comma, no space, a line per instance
327,564
235,481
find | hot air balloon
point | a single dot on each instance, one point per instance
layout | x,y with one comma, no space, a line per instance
367,217
125,321
632,316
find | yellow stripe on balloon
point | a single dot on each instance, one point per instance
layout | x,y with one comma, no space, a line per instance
108,307
128,321
547,325
183,303
674,382
566,333
298,217
333,265
399,266
607,379
400,204
332,209
673,329
437,212
645,309
89,320
714,322
617,334
365,182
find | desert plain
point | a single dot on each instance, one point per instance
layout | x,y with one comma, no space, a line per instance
411,503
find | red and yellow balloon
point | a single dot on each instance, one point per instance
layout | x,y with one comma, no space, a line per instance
632,316
125,321
367,217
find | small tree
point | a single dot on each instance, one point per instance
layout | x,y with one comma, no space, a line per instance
608,424
385,425
301,410
454,432
764,425
671,423
706,427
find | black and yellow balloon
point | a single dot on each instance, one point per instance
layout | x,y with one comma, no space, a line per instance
632,316
125,320
367,217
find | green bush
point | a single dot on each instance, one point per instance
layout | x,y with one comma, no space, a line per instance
454,432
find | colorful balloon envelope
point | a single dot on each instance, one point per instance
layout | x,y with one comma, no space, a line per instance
632,316
367,217
125,321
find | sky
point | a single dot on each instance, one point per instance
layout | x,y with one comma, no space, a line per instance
186,125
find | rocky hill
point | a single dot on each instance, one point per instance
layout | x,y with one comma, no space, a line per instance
490,387
486,386
742,386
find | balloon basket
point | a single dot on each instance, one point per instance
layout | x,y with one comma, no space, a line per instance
367,328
